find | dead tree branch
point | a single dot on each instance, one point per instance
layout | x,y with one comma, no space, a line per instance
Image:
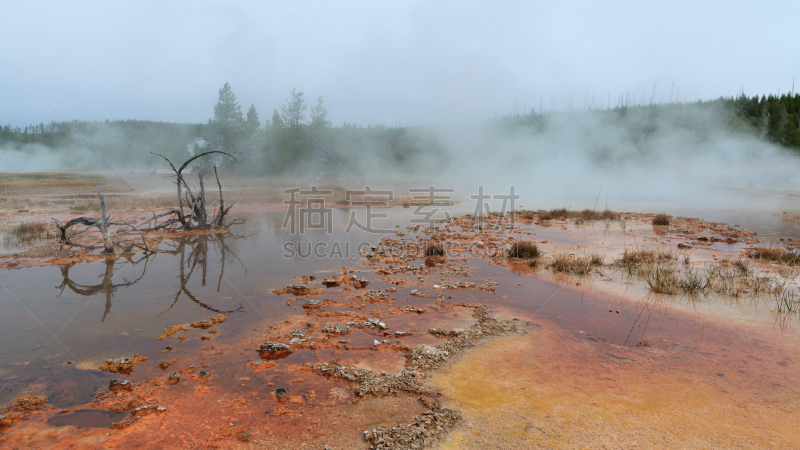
103,224
198,217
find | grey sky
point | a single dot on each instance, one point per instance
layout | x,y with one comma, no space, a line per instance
373,62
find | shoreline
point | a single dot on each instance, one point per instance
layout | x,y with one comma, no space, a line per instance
432,306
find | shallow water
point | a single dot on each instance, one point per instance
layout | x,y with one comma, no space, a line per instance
86,313
89,312
86,418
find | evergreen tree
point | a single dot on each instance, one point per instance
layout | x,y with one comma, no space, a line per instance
272,158
294,110
319,115
777,120
224,131
790,135
277,122
763,121
252,124
294,145
251,139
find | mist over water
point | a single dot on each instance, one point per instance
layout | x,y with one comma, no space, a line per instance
677,158
693,159
38,158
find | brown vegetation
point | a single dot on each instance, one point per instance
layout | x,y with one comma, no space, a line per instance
586,214
777,254
634,260
663,275
661,220
27,232
524,250
579,265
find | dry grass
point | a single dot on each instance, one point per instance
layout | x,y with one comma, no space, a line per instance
661,219
661,272
788,302
732,278
663,275
666,278
586,214
524,250
61,183
636,260
554,214
74,193
777,254
579,265
29,232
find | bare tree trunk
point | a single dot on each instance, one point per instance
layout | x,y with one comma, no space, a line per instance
180,203
221,215
200,208
108,246
103,224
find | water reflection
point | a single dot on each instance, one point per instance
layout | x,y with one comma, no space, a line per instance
107,285
192,256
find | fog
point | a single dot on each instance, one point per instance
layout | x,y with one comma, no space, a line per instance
396,63
667,156
637,158
443,93
38,158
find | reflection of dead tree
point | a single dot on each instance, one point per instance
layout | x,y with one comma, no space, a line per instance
103,224
193,251
106,286
196,258
200,216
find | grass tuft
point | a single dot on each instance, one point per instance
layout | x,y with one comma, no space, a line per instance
524,250
635,261
586,214
731,278
777,254
579,265
28,232
661,219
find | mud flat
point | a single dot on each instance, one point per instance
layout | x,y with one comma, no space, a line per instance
471,349
547,388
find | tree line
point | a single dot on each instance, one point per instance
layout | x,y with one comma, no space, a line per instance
299,138
771,118
774,118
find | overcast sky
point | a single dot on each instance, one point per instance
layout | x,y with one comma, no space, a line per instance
399,62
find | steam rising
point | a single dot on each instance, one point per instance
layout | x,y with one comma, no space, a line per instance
688,155
627,159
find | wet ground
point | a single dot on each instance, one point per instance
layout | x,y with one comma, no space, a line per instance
594,360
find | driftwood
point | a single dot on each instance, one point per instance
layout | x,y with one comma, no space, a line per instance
103,224
200,216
